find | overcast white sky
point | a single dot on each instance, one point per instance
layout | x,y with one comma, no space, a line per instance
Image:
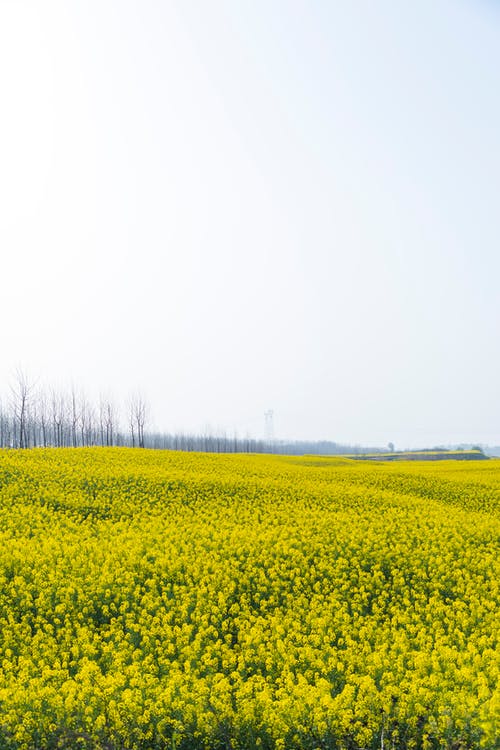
236,206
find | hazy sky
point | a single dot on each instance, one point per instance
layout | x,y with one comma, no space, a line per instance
245,205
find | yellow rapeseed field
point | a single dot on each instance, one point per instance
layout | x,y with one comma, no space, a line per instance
153,599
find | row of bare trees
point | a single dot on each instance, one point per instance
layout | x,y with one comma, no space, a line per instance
31,416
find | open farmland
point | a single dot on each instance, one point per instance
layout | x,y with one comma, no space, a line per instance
154,599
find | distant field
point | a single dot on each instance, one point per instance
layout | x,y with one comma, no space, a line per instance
155,599
438,455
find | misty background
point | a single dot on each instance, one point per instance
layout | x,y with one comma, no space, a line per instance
232,207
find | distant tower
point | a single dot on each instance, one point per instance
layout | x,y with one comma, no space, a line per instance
269,425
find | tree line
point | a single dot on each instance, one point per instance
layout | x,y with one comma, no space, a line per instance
32,417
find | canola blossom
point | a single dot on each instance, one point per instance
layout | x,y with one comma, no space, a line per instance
153,599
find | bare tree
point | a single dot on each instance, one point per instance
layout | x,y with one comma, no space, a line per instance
75,417
102,420
137,416
44,419
131,421
33,423
110,423
21,395
58,404
5,428
107,421
86,421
